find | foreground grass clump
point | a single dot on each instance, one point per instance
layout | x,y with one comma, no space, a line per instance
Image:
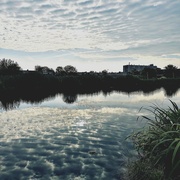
158,146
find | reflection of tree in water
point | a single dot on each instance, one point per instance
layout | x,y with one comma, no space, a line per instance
12,102
9,101
69,98
171,91
9,105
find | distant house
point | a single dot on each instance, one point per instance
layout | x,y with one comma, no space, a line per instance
130,68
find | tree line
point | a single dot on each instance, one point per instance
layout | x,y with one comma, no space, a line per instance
9,67
59,70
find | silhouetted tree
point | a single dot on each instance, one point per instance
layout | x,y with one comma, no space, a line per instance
170,71
149,73
70,69
7,66
44,69
38,68
60,70
69,98
104,72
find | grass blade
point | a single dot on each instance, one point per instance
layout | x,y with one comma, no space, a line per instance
177,148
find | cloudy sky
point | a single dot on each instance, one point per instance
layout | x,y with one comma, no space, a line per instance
90,34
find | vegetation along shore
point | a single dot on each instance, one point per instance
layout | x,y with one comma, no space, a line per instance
158,146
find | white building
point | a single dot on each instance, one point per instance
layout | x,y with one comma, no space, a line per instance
130,68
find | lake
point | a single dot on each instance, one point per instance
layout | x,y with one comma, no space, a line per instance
80,137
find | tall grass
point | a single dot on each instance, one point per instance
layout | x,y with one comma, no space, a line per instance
159,144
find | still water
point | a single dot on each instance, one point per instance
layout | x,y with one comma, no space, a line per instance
84,140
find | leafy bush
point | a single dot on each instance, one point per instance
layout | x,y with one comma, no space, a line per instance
160,142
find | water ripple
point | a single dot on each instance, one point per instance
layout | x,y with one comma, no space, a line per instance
55,143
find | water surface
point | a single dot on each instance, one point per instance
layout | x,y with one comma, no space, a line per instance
81,140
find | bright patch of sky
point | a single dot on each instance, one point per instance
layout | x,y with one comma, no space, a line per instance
90,34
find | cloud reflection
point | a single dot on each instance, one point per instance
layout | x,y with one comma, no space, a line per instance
54,142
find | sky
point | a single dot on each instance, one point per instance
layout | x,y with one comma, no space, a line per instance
92,35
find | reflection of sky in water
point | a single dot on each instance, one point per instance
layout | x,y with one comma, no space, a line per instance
84,140
137,99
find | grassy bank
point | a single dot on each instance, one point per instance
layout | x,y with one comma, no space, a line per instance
158,146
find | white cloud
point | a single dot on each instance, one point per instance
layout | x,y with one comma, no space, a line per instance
149,28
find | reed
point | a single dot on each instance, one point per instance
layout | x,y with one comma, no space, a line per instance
159,143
